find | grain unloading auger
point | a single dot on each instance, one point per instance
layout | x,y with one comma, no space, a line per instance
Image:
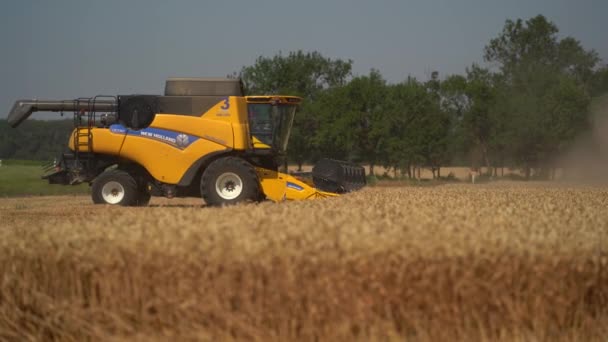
203,138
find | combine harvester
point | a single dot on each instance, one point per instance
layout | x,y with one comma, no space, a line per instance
203,138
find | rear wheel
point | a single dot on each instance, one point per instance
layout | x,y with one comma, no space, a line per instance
115,187
228,181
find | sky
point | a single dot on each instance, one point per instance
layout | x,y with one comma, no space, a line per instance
66,49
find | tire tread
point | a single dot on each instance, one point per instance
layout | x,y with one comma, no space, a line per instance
123,177
250,193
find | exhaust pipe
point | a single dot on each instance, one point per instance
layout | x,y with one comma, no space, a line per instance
22,109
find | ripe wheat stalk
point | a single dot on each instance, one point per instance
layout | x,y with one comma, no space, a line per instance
456,262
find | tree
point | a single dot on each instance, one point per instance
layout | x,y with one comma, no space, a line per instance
436,128
302,74
415,133
34,139
535,43
600,81
351,120
366,112
546,85
470,102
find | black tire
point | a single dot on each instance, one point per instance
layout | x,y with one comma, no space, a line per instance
141,177
226,173
143,198
115,187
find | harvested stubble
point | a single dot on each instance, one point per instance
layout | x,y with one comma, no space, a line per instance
455,262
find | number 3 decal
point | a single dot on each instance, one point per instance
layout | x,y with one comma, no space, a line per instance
226,103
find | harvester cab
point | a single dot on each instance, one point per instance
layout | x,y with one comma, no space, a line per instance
270,120
202,138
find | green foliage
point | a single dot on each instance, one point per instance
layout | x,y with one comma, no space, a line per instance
309,75
34,139
417,130
407,102
523,114
470,101
600,81
544,93
351,119
298,73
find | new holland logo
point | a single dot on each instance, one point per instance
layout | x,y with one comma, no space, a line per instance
294,186
181,140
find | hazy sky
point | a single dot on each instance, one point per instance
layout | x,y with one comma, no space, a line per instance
66,49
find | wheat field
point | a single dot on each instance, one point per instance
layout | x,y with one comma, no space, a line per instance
498,261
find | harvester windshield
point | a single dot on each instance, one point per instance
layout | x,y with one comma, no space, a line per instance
270,125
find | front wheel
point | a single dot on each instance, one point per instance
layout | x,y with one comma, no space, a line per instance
228,181
143,198
115,187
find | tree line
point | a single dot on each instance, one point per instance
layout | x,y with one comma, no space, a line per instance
34,139
522,109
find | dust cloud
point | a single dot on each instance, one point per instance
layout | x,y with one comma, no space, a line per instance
587,160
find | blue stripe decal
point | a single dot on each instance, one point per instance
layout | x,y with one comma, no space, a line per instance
294,186
175,139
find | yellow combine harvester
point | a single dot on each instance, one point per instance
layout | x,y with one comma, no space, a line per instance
203,138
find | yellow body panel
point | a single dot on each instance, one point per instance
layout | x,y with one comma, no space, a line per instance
217,131
278,186
298,190
228,127
103,142
258,144
164,162
273,184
